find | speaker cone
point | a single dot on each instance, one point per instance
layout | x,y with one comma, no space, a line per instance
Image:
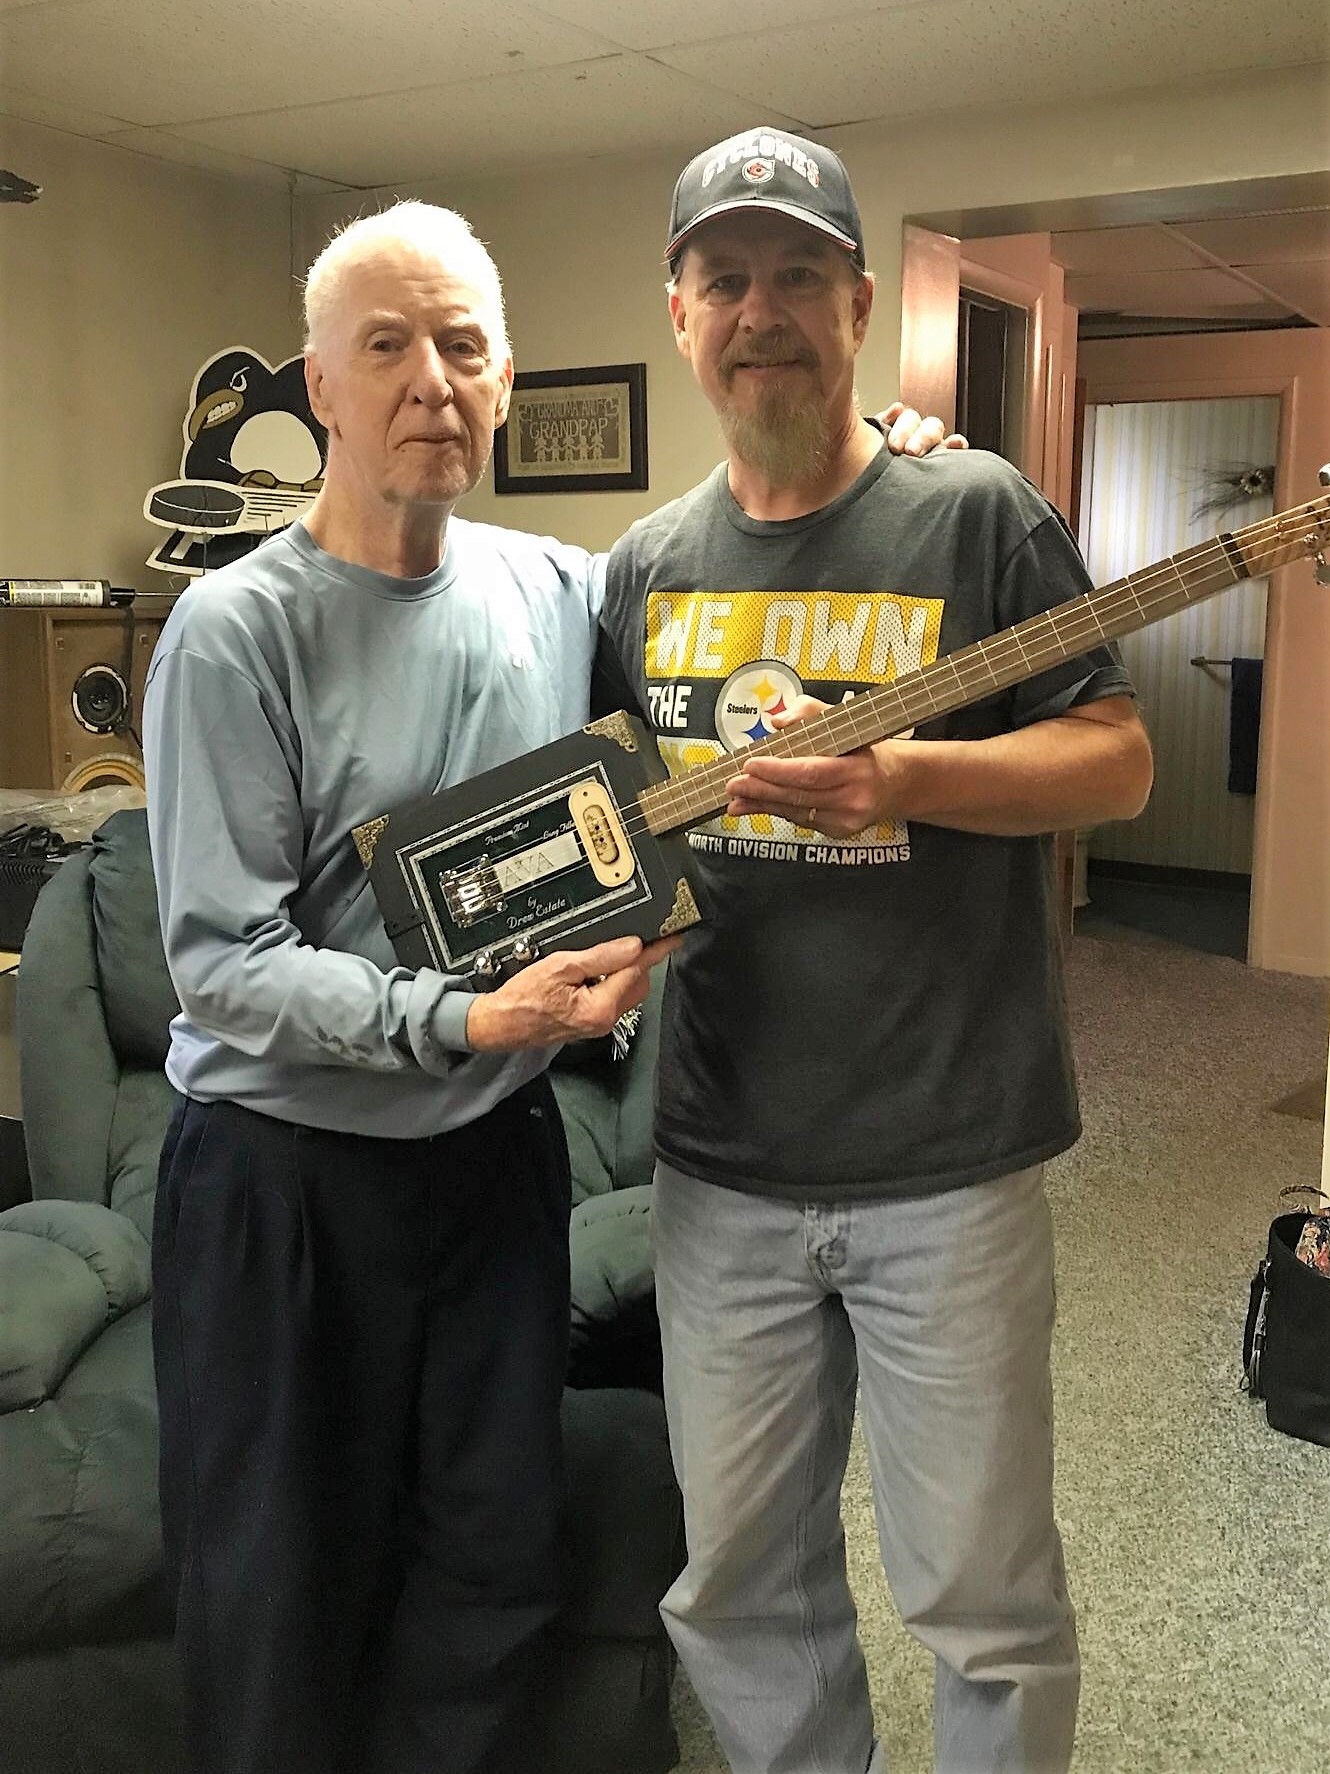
100,699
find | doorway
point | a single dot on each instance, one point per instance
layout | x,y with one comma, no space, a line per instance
990,372
1177,341
1159,476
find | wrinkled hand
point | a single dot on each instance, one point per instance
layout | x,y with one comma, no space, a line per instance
909,435
838,796
566,996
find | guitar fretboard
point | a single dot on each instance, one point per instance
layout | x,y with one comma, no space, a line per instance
1006,658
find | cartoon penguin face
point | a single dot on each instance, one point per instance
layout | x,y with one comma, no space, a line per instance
251,424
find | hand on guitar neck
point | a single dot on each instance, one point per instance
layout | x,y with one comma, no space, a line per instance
565,997
836,796
1087,764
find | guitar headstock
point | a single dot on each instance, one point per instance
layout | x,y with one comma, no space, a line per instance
1303,531
1322,565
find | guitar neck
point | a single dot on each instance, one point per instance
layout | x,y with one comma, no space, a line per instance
1006,658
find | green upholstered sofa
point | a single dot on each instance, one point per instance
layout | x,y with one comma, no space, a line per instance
87,1675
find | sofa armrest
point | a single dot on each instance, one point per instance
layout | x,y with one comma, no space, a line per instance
67,1270
614,1334
67,1068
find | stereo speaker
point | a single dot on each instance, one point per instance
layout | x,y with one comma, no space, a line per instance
71,695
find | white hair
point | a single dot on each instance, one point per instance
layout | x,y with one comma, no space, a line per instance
442,234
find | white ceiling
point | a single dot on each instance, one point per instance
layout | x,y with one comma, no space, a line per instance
1242,271
322,94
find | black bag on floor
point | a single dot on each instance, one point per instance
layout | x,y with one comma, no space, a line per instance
1286,1343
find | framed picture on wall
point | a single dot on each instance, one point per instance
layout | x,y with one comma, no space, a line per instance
574,431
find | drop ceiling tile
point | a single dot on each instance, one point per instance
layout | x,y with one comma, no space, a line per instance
1198,293
31,107
163,144
167,61
651,24
953,53
1121,249
840,71
1305,287
613,106
1250,240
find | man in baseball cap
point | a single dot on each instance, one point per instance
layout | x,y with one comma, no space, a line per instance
864,1058
767,169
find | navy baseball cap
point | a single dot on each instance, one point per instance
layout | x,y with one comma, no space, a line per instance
767,169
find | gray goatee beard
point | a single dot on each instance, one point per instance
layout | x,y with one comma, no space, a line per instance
785,440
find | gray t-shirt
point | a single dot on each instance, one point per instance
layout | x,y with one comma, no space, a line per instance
884,1015
292,697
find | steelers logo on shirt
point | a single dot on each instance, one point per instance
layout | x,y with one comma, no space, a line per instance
749,698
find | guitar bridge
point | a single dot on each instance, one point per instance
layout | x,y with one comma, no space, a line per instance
472,893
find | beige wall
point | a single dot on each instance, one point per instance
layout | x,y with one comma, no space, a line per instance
114,287
580,247
1290,919
579,252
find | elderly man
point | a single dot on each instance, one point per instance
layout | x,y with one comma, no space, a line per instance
360,1248
361,1240
864,1058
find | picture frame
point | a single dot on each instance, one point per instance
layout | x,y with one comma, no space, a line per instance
574,431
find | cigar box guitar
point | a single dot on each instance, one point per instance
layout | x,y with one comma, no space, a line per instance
583,840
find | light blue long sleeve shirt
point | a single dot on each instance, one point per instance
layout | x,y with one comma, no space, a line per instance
291,697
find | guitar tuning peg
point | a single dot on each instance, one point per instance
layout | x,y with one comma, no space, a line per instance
1323,475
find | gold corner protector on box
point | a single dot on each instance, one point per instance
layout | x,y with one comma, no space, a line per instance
616,727
684,913
367,836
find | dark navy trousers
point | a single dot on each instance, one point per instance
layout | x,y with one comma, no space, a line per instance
360,1348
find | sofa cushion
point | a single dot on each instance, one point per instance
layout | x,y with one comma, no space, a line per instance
80,1534
67,1270
609,1714
143,1105
589,1109
614,1334
607,1105
625,1514
137,995
112,1707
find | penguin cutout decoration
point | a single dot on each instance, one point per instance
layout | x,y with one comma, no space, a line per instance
253,462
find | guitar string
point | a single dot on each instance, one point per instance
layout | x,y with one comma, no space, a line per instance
1070,625
1073,623
1084,628
1076,623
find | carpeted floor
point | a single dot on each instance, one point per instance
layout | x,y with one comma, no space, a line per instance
1195,1534
1308,1100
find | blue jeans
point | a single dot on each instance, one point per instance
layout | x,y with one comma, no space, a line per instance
941,1309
